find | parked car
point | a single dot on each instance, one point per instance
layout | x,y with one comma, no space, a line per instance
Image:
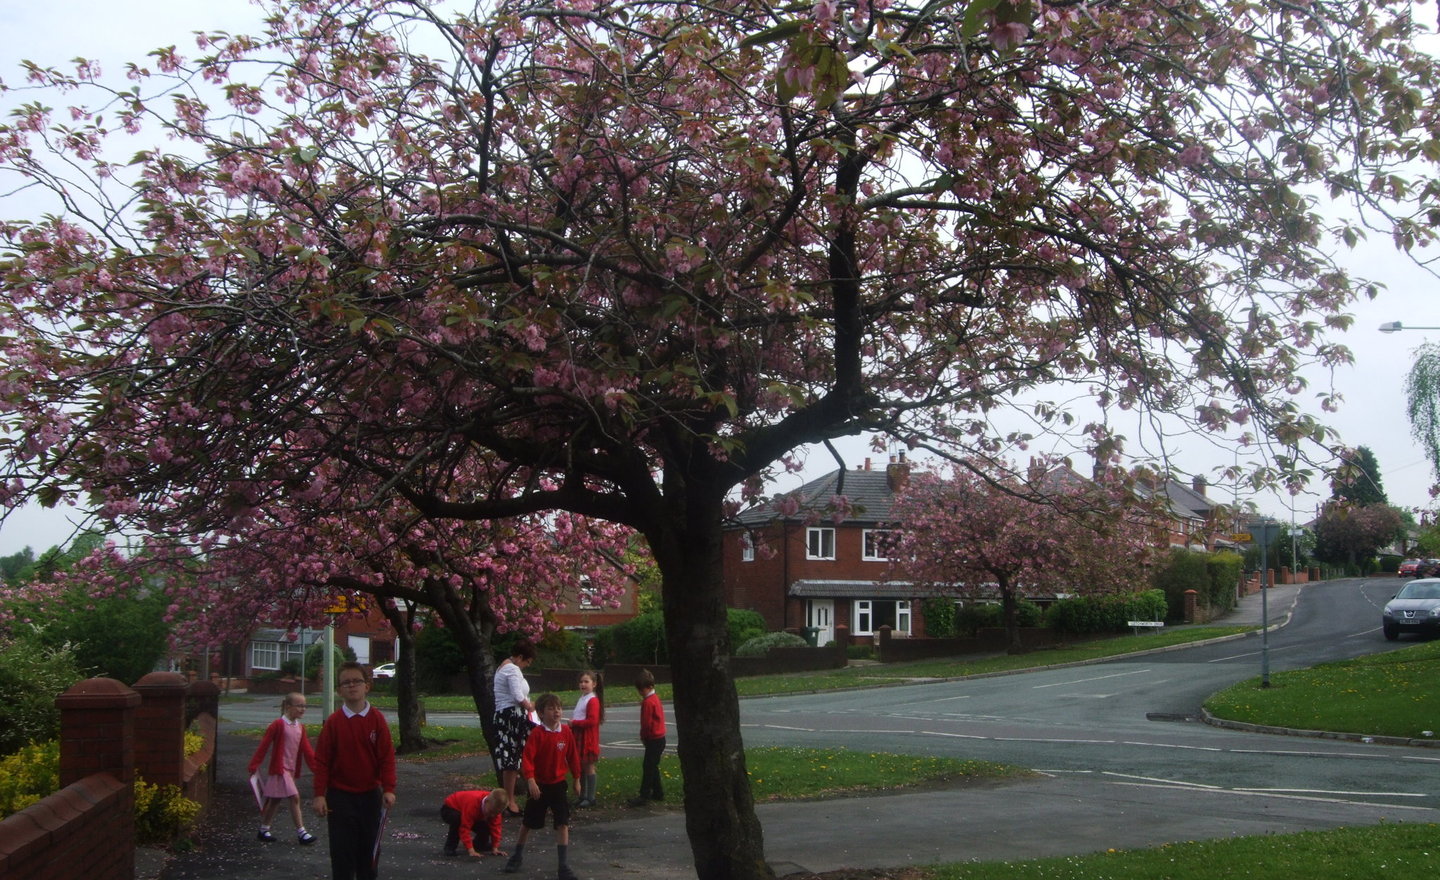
1408,568
1416,609
1428,568
384,670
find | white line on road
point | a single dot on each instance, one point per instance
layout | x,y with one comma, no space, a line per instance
1095,678
1409,794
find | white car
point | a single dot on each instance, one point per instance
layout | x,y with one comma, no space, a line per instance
384,670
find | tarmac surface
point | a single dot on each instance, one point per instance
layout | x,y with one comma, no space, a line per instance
988,822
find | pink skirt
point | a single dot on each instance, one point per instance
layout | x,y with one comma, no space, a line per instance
281,786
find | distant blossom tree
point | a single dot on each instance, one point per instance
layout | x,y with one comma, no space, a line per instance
621,258
985,532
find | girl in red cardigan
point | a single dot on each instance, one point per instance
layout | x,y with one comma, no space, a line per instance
288,745
585,721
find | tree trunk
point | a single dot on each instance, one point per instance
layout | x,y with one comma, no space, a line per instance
1010,612
412,738
472,627
726,839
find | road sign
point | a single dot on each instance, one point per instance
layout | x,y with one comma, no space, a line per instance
1242,537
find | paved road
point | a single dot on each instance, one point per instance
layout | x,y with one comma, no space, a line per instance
1111,777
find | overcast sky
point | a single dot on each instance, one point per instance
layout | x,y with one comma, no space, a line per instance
1373,413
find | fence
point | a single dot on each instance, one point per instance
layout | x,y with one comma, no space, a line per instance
109,734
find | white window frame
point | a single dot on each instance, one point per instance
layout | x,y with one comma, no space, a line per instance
747,547
862,617
872,543
819,543
902,616
264,655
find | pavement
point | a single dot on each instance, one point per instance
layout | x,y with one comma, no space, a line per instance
993,821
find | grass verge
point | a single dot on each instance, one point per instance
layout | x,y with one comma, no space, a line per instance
1392,694
1390,850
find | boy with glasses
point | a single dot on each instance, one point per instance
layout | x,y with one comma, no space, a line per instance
354,777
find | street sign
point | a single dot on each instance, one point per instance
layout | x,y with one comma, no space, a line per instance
1242,537
345,603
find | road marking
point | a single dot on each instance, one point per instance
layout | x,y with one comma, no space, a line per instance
1409,794
1177,782
948,699
1095,678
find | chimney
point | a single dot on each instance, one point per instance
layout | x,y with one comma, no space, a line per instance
897,473
1199,485
867,462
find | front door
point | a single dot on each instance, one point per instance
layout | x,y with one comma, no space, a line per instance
820,613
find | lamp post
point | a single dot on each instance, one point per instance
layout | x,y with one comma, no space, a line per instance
1264,531
1396,327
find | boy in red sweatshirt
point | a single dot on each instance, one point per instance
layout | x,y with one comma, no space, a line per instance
652,735
354,776
550,752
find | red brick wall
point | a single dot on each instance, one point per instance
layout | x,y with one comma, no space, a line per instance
108,734
83,830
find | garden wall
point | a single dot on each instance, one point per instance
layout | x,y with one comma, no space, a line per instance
109,733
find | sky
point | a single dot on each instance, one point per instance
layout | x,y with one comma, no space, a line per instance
1372,414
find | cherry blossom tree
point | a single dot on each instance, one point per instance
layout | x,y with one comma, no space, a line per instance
477,577
621,258
990,532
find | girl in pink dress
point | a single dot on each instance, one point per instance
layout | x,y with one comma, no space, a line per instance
287,743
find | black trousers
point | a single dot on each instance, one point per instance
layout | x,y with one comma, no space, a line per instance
650,786
354,825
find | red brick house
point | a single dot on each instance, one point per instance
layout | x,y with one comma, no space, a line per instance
803,569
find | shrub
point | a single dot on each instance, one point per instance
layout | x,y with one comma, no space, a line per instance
561,649
1184,570
860,652
1106,614
29,775
761,645
743,625
640,639
315,656
975,616
939,617
437,656
31,676
1223,570
162,813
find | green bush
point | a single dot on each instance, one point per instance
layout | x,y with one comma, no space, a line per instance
28,775
562,649
939,617
1223,570
975,616
162,813
32,675
437,657
315,656
640,639
743,625
761,645
1183,570
860,652
1084,615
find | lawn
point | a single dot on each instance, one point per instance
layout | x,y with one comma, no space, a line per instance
1391,694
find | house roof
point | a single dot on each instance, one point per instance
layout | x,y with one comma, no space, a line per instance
816,588
869,493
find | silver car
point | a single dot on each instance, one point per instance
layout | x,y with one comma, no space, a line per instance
1416,608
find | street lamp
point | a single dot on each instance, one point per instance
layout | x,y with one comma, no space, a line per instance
1396,327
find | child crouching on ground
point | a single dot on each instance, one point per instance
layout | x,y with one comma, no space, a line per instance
550,754
466,812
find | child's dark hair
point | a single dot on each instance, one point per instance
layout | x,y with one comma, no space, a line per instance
644,680
599,690
545,701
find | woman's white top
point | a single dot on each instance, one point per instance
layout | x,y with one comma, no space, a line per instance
511,688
